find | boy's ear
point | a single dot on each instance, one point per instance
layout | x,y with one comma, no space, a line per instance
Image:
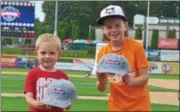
35,53
126,26
102,28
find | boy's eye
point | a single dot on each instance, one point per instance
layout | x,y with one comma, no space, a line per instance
118,25
111,26
43,52
52,52
108,27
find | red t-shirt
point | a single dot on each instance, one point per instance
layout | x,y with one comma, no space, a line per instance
37,81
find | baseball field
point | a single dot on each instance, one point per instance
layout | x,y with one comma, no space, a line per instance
163,91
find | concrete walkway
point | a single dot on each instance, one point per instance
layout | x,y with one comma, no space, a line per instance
164,83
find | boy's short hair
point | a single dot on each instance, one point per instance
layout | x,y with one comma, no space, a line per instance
50,38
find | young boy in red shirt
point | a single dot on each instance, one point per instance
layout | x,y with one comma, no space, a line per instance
48,49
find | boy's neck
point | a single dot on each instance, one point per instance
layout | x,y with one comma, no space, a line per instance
53,69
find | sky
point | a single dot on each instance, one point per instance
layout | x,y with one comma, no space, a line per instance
38,10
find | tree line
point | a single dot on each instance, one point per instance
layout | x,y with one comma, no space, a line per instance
75,17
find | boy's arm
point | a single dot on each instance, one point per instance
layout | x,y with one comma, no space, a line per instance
142,65
32,102
101,78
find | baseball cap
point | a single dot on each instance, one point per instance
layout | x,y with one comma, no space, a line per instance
110,11
60,93
113,64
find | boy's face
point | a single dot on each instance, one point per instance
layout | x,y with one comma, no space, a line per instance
47,55
114,28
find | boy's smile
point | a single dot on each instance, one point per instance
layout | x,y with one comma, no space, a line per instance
114,28
47,54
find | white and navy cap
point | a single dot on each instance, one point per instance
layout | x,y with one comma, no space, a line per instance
111,11
113,64
60,93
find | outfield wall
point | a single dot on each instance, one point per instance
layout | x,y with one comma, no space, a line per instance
160,61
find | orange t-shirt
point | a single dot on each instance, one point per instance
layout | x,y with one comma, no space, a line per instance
122,97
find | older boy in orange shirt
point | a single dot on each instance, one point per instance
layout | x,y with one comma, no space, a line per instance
127,94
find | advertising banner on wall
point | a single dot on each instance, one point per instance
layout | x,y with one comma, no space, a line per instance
170,68
71,66
86,62
27,62
168,43
154,55
22,62
9,61
156,67
169,55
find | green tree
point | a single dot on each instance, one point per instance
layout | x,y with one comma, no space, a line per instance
164,8
15,41
173,33
61,31
93,36
138,35
72,32
85,13
169,33
8,41
154,39
90,32
28,42
62,34
42,27
3,42
77,33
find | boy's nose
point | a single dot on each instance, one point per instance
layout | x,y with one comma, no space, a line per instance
47,55
113,29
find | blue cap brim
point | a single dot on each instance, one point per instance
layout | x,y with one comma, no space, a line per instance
56,103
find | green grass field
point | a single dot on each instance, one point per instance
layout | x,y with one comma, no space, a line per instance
152,76
18,103
15,84
85,86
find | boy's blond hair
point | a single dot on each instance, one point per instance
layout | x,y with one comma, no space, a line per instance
50,38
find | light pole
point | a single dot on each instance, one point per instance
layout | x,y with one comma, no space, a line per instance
56,16
145,31
147,25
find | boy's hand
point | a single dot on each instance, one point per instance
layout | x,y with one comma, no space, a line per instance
101,81
40,105
101,76
68,107
128,77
